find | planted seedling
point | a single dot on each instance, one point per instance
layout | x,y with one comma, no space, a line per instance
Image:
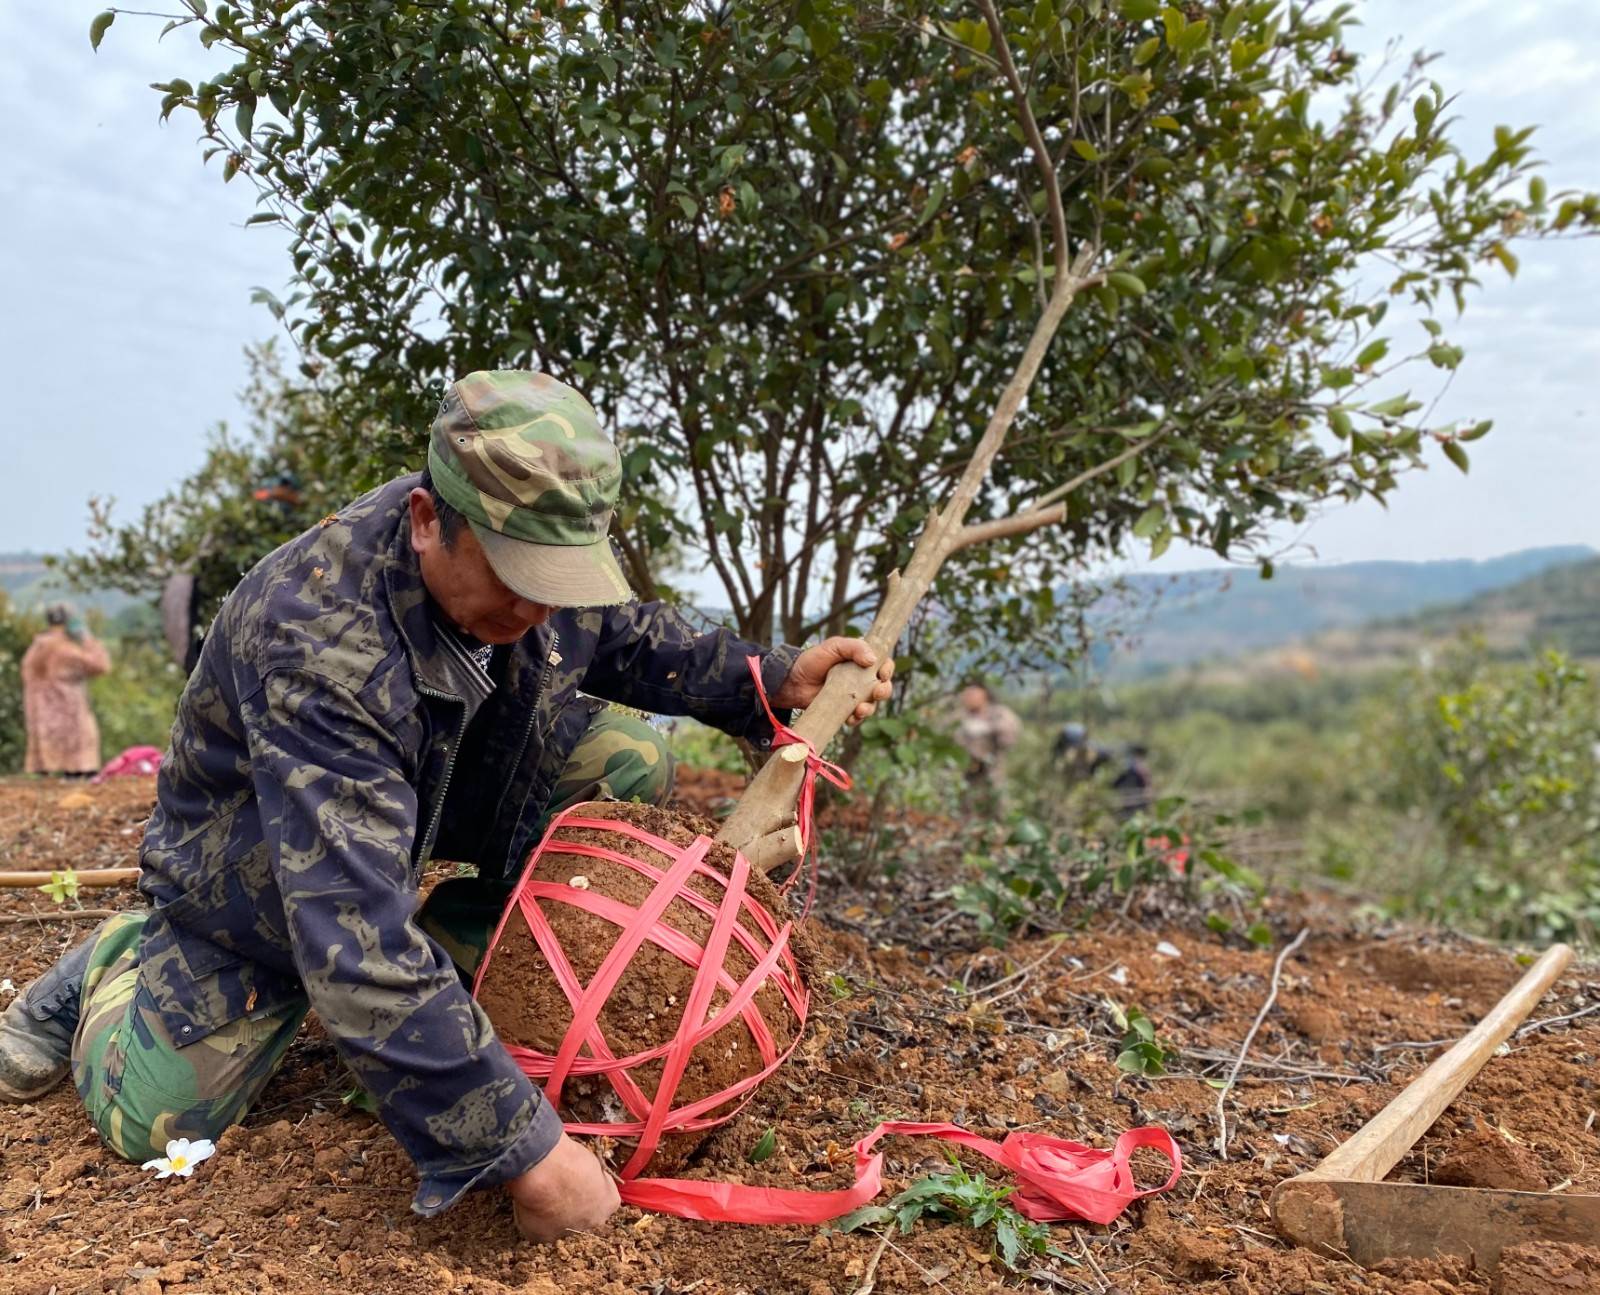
764,1147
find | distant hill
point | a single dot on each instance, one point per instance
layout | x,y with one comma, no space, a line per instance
1216,615
1557,608
29,584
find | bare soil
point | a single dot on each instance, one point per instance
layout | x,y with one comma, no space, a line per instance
912,1019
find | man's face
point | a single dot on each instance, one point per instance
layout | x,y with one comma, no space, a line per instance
974,700
460,579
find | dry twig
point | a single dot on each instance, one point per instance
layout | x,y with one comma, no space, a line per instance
63,915
1272,997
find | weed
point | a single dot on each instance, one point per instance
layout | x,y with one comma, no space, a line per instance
62,887
960,1197
1140,1051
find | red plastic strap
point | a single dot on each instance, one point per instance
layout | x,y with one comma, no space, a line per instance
655,1116
806,807
1056,1180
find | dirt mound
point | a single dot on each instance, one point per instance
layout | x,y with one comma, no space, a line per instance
1485,1158
1549,1268
528,1006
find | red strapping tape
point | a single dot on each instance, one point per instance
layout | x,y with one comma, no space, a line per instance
1057,1179
806,805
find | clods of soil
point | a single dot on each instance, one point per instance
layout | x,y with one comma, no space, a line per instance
914,1018
1485,1157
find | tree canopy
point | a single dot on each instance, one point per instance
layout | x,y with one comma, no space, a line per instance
792,252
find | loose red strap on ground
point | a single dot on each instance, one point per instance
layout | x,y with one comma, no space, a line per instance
806,805
1056,1179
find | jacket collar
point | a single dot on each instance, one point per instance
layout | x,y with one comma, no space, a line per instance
439,660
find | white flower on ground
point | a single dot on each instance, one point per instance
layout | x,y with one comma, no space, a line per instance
181,1158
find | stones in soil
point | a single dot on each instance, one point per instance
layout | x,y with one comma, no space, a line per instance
528,1006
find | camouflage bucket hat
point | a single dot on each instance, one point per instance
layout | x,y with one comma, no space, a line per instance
523,458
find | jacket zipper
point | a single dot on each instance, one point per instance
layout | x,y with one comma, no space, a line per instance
437,809
533,714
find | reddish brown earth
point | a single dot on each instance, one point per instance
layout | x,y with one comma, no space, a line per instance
310,1195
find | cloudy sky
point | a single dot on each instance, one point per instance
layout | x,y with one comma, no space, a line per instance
128,272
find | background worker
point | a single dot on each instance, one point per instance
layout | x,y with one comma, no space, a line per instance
986,729
62,736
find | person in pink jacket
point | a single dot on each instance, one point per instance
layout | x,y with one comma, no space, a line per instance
63,737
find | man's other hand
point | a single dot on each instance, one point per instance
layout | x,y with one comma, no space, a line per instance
805,680
568,1191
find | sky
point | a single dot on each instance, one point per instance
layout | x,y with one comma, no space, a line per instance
128,270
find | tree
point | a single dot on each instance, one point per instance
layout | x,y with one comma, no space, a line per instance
251,494
792,251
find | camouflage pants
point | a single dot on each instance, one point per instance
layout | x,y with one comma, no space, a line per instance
140,1089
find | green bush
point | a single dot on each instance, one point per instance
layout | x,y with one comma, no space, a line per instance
17,629
135,702
1475,798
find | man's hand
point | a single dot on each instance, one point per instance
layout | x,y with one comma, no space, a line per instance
568,1191
805,680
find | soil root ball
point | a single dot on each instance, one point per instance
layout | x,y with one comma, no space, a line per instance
602,864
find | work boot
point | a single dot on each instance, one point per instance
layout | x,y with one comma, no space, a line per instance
36,1029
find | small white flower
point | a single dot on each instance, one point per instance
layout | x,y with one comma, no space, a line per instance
6,987
181,1158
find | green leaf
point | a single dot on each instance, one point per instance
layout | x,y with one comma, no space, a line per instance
1260,933
1456,455
1476,431
1372,352
1502,253
863,1216
688,205
62,886
360,1099
1140,10
1087,151
1339,420
244,119
1129,285
1150,521
1394,407
934,202
764,1147
99,27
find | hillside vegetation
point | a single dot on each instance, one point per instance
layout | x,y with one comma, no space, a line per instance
1205,616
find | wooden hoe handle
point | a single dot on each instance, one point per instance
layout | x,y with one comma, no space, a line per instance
1379,1145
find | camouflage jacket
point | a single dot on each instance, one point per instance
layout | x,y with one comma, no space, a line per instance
307,785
